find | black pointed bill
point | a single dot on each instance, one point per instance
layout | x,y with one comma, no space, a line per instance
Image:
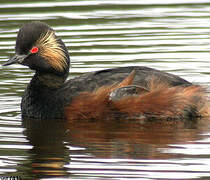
15,59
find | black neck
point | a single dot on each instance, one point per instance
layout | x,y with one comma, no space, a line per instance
42,99
47,80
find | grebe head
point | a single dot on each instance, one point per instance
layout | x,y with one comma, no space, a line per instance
40,49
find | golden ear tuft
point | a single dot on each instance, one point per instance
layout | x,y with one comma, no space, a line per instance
52,51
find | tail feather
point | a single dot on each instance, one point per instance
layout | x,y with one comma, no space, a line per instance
167,103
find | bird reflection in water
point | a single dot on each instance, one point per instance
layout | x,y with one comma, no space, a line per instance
134,140
49,154
52,141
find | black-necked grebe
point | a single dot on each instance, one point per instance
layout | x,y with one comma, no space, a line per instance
129,92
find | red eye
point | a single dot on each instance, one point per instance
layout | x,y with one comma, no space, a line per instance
34,50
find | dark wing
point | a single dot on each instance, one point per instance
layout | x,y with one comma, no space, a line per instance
143,77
